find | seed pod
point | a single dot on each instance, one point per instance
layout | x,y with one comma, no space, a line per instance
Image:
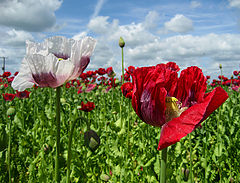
92,140
104,177
11,111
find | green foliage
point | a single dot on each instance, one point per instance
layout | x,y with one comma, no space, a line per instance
123,155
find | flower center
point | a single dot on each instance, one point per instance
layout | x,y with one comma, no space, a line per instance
173,108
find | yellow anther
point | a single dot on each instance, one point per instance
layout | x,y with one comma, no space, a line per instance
172,109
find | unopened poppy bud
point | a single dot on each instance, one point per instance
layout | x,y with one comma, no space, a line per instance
104,177
11,111
63,100
121,42
186,174
231,76
117,81
92,140
220,66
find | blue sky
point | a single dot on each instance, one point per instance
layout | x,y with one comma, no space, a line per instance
202,33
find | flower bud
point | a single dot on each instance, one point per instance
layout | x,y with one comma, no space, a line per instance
220,66
104,177
63,100
92,140
117,81
121,42
11,111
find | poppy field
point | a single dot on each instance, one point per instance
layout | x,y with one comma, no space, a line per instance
110,132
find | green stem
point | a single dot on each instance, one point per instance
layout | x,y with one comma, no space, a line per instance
57,174
163,166
122,67
128,129
191,173
121,104
69,156
9,151
205,153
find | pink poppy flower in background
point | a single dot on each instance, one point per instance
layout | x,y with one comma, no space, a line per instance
53,62
90,87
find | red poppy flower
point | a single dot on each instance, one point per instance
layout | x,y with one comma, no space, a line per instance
67,85
236,73
101,71
6,74
80,90
110,72
178,105
23,94
8,96
89,106
127,89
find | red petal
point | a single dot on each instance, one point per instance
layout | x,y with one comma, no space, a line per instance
178,128
191,86
138,81
150,86
173,66
220,96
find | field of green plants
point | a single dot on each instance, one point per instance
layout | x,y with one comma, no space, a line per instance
128,147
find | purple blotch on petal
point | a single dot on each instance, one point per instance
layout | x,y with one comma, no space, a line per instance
45,79
60,55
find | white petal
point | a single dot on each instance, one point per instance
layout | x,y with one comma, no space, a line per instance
24,78
83,47
49,71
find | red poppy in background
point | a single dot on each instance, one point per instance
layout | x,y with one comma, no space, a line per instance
23,94
101,71
89,106
8,96
6,74
127,89
178,105
236,73
130,70
110,72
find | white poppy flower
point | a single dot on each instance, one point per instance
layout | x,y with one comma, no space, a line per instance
53,62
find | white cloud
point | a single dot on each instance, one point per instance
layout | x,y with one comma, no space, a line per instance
151,20
179,23
15,38
195,4
98,8
144,48
234,3
100,25
29,15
